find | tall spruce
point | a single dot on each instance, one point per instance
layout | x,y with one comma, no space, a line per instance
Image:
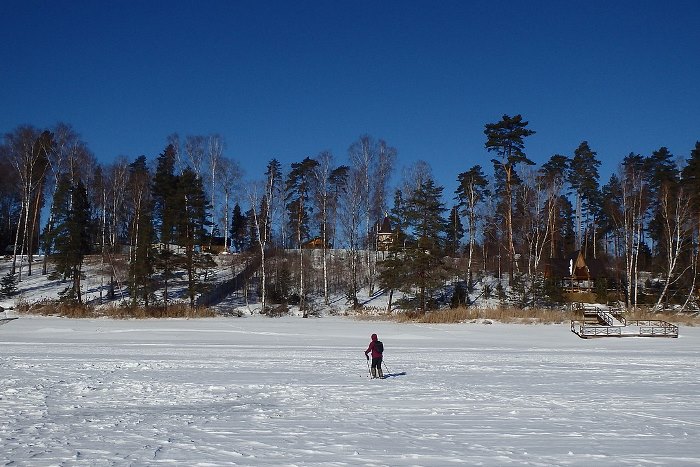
71,236
239,238
165,214
191,228
141,233
424,215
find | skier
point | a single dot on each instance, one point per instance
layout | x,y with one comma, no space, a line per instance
377,348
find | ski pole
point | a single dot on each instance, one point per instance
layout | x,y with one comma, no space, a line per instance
368,369
387,368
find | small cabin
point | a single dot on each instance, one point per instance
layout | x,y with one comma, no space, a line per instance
575,271
216,245
385,236
315,243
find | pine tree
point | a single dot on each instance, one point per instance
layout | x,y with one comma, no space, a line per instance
505,138
583,178
470,194
298,190
663,182
691,184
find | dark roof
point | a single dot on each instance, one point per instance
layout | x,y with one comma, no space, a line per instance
386,226
560,267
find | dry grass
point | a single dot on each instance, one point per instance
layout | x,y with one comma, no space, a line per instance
461,315
53,308
516,315
679,319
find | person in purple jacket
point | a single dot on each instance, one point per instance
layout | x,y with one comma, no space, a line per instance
376,348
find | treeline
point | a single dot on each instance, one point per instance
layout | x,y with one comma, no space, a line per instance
167,215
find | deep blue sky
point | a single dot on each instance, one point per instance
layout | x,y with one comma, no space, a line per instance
290,79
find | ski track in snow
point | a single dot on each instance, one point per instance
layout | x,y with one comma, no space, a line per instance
289,391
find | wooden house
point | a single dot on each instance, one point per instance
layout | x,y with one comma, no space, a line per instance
315,243
575,271
385,236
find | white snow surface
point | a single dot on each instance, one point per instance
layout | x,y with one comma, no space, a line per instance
259,391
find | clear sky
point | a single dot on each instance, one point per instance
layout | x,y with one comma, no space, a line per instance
288,79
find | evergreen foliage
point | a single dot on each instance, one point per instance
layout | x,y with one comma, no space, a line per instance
420,265
455,232
70,235
241,241
8,285
142,235
191,229
150,222
505,138
583,177
298,189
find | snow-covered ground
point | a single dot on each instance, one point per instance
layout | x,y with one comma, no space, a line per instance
291,391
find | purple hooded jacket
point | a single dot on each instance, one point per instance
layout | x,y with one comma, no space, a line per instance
375,353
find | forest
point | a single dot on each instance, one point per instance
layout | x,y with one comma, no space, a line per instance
320,228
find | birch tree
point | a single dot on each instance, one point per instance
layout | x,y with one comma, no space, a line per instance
215,154
227,178
534,201
263,201
373,161
351,213
470,193
195,149
691,185
676,214
553,175
627,205
329,181
28,151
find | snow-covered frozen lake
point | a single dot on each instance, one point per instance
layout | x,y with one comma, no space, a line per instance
291,391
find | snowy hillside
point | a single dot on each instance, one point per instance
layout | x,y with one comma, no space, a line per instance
38,287
258,391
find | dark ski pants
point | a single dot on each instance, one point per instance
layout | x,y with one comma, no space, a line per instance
377,362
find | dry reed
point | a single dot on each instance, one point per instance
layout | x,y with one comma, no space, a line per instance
66,310
515,315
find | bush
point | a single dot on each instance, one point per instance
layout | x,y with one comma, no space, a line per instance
8,285
459,296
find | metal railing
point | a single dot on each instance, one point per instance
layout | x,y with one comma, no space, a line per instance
646,328
655,327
